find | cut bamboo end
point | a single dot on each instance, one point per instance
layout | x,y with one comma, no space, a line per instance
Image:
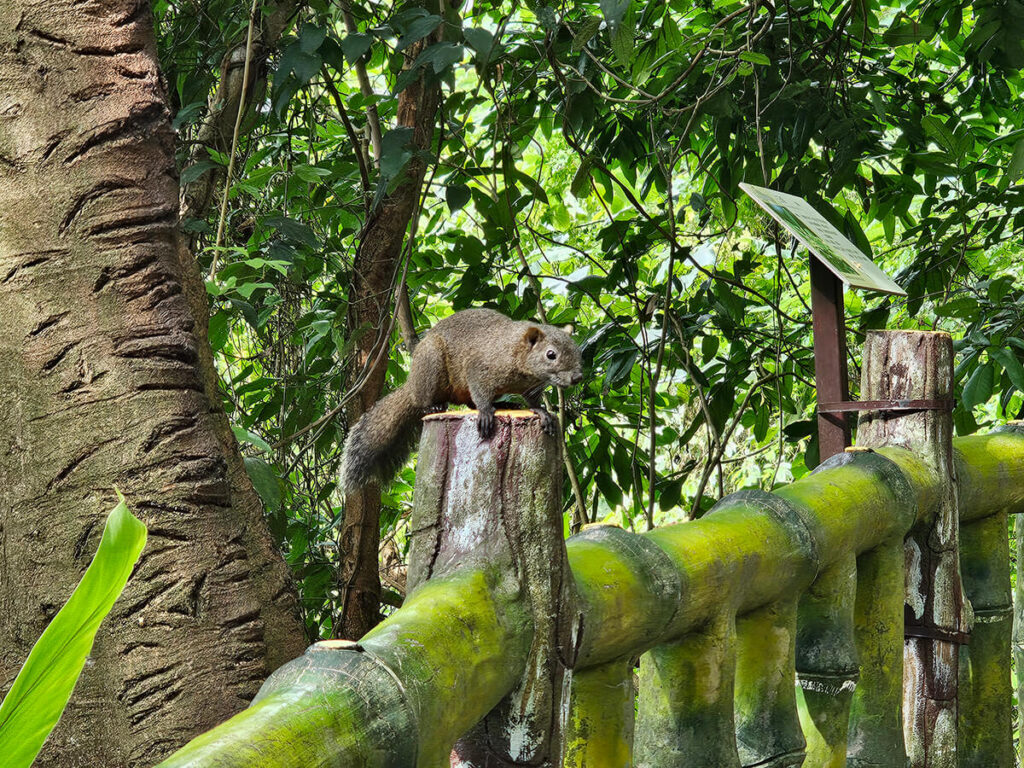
510,413
336,645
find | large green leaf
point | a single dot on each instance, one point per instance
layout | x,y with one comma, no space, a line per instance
41,691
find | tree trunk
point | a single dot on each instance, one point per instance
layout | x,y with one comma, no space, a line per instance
108,381
370,312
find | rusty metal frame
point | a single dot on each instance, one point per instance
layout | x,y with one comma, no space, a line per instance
830,374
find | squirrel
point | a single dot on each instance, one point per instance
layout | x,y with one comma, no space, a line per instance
471,356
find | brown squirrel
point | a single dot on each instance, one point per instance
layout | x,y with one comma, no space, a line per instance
470,357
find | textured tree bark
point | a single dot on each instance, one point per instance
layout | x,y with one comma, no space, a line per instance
108,381
370,311
903,365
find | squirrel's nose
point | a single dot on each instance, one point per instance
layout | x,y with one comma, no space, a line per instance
577,378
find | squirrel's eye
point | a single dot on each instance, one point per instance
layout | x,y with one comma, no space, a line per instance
552,354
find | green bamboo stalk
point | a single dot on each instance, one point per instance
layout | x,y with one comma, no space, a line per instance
826,662
767,724
985,722
685,701
461,642
599,731
876,713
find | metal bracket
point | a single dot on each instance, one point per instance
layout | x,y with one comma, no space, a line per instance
852,406
937,633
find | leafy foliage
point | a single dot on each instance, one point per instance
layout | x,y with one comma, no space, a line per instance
36,700
587,159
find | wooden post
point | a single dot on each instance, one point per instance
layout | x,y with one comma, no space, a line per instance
912,365
496,504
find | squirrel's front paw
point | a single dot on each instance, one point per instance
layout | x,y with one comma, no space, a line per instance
548,423
485,423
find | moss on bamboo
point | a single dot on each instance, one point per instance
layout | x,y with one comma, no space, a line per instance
826,662
985,717
599,730
685,699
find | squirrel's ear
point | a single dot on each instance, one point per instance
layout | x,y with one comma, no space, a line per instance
533,335
569,329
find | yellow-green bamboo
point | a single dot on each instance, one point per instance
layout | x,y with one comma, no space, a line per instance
685,699
876,713
599,730
985,721
767,724
826,662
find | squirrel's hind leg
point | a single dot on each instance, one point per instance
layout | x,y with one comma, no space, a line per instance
426,384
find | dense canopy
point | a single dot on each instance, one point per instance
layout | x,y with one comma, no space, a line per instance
583,159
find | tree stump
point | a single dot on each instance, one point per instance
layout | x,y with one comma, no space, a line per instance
496,504
918,366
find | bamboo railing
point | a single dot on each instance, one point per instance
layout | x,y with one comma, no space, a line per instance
771,632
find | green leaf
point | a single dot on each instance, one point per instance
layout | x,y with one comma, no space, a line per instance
41,691
670,494
580,186
586,32
440,56
311,37
622,44
906,31
1016,169
978,388
311,173
1006,358
611,492
394,151
481,41
942,135
355,45
755,58
303,64
243,435
264,480
196,170
456,195
417,30
218,332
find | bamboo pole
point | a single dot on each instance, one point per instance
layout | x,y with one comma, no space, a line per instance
461,641
685,701
599,731
985,726
876,712
914,365
826,662
767,724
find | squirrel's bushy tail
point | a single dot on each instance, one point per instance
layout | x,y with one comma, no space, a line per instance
381,441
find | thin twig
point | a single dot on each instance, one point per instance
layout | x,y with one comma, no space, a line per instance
234,139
